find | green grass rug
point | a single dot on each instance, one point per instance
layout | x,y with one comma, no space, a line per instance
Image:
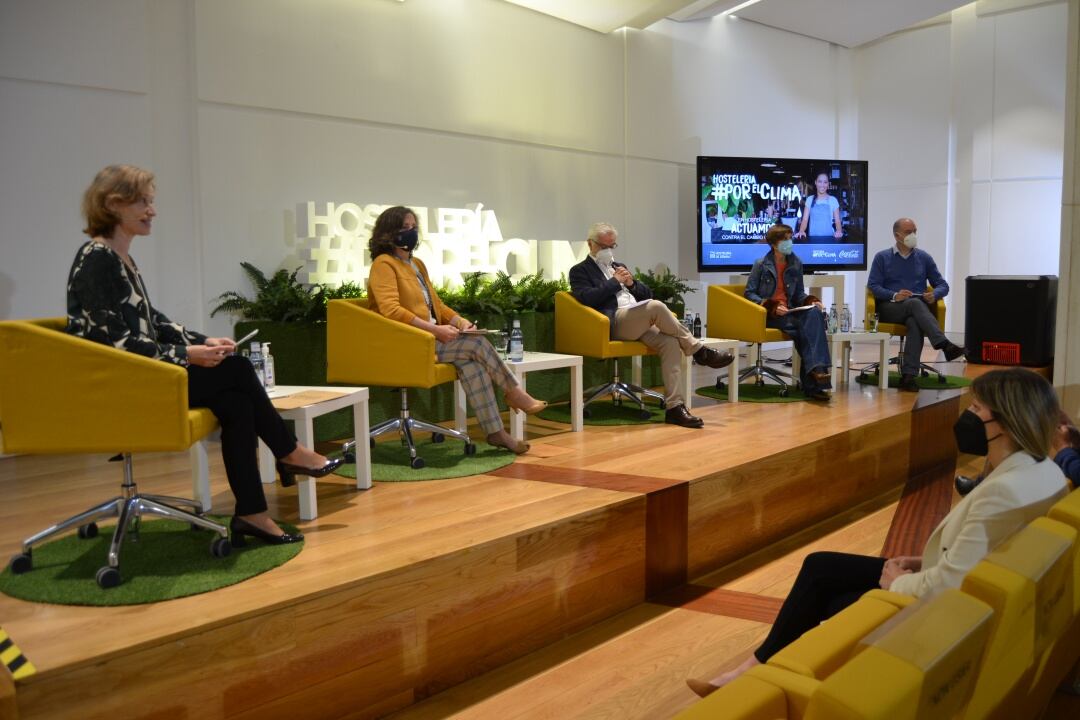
390,461
604,412
169,561
753,392
925,383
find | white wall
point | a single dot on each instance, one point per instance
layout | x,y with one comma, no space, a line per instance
963,125
246,108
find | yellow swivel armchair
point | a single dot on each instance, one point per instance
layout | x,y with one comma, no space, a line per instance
365,348
731,315
900,330
62,394
580,330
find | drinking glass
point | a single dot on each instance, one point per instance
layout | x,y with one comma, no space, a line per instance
871,322
501,341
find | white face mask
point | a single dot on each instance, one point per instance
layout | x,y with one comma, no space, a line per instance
605,256
911,241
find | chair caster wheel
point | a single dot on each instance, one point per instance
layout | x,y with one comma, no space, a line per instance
941,379
416,463
924,373
194,527
87,531
663,405
644,414
586,413
220,547
437,438
783,392
21,563
470,448
349,457
107,577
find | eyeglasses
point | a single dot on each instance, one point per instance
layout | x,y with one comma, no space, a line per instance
612,246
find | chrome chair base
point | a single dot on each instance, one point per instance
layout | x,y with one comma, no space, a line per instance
759,371
128,508
406,425
924,369
618,390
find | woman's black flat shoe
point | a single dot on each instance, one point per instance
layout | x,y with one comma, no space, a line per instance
240,528
288,471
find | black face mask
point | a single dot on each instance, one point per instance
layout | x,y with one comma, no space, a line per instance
407,239
970,432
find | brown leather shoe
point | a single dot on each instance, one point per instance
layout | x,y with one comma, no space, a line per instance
821,377
711,358
907,383
679,415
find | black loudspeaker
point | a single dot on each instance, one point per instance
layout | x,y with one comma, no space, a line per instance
1009,319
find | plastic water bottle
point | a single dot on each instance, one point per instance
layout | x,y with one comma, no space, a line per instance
517,343
688,321
834,319
269,379
257,362
845,319
697,325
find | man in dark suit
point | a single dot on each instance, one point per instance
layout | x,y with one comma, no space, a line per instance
608,286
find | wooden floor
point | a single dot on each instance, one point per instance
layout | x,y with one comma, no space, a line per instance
495,588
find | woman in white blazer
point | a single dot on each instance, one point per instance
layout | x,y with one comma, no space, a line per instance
1011,421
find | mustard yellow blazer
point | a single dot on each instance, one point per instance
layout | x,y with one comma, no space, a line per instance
394,291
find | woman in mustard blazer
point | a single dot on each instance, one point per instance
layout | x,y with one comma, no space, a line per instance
1011,420
400,289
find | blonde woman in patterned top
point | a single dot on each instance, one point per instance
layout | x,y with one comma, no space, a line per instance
107,302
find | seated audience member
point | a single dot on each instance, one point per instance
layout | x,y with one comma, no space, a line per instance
898,279
776,281
1066,449
608,286
1011,421
400,289
107,302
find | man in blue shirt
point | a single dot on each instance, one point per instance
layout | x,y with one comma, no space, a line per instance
898,279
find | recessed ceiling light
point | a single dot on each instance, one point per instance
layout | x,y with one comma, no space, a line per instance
768,164
739,7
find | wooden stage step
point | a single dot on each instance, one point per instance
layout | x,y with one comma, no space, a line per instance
409,589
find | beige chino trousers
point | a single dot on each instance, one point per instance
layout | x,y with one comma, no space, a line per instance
655,325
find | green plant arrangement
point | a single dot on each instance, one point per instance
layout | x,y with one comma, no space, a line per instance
481,295
282,298
666,287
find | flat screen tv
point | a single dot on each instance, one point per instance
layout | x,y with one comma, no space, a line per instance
824,201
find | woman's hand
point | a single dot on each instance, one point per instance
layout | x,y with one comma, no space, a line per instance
228,344
892,570
838,234
445,333
206,355
781,310
798,235
909,562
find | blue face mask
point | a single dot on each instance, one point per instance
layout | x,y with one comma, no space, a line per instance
784,246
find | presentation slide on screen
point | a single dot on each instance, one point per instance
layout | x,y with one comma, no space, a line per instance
823,201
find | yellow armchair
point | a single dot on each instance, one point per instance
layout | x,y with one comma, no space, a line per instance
63,394
366,348
900,330
581,330
730,315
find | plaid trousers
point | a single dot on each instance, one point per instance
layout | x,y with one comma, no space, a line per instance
478,366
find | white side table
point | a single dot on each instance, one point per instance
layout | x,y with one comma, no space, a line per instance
549,361
732,369
357,397
841,345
